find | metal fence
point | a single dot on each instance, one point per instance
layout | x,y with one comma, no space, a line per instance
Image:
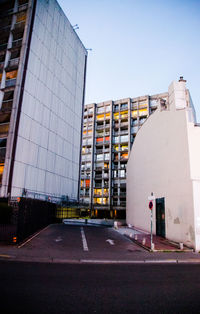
23,217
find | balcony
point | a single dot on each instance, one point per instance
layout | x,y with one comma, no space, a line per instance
18,27
4,29
98,176
2,154
7,105
13,64
1,66
4,127
11,82
100,127
3,46
17,43
23,7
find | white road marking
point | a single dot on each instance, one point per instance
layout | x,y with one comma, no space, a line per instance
111,242
85,246
58,239
35,235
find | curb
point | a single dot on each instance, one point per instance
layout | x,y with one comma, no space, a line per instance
95,261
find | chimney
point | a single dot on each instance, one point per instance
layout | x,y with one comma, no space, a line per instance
181,79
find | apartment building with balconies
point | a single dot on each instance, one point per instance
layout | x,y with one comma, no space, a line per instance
42,83
109,130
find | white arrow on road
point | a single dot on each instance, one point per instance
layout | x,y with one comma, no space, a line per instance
111,242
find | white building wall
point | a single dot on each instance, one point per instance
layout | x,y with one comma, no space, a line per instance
160,163
48,144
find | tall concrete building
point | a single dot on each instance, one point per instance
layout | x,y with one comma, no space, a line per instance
109,131
42,82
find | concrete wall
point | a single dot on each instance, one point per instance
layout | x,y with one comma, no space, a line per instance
160,163
48,144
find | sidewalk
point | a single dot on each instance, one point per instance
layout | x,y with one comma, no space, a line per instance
143,239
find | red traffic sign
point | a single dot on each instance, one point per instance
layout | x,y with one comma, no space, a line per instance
150,205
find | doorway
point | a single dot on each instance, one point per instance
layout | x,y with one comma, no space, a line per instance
160,217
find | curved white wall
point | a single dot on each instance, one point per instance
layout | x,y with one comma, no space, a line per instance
160,163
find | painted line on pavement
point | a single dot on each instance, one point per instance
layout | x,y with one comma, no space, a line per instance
85,246
4,255
35,235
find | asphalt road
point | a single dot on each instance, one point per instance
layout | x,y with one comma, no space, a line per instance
66,242
27,288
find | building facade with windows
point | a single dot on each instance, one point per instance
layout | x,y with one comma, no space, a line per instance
109,130
42,83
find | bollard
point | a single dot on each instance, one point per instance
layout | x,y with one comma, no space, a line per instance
144,241
152,246
115,225
130,235
136,237
129,225
181,245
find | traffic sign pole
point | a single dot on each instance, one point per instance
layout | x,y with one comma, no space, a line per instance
152,229
151,198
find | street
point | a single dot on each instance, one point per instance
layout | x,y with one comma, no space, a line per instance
66,288
87,269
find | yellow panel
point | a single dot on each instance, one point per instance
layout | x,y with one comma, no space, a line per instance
143,112
100,117
134,113
11,75
4,128
107,114
1,168
124,112
116,115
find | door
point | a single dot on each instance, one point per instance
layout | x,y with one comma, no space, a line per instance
160,217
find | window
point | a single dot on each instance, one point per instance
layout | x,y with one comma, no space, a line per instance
134,113
122,173
143,112
98,192
107,108
116,108
124,106
116,139
124,156
87,183
124,114
100,109
107,156
100,157
124,147
99,139
100,117
134,129
11,75
116,116
124,138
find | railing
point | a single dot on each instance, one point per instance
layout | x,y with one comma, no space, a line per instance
10,82
2,154
124,108
3,46
99,127
13,62
23,7
7,105
1,65
19,25
4,29
17,43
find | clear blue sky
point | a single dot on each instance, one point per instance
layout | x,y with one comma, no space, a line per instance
138,46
